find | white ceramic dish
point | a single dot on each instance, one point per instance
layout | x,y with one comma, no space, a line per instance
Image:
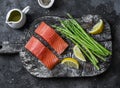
44,5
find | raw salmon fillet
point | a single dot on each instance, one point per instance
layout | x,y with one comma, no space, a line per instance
41,52
54,40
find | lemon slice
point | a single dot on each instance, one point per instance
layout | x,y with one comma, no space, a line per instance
78,53
97,28
70,62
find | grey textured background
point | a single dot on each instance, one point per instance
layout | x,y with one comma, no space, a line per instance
13,74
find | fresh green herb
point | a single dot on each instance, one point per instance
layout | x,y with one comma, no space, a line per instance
91,48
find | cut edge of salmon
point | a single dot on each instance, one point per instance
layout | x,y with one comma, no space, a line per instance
43,29
45,55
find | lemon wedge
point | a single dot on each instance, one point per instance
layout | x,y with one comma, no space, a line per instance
97,28
71,62
78,53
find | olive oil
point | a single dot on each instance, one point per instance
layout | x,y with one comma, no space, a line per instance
15,16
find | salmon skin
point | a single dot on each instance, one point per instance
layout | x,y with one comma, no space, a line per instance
41,52
53,39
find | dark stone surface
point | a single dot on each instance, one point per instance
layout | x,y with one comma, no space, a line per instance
36,68
12,73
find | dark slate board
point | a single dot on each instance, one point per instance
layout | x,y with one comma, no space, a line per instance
12,40
36,68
